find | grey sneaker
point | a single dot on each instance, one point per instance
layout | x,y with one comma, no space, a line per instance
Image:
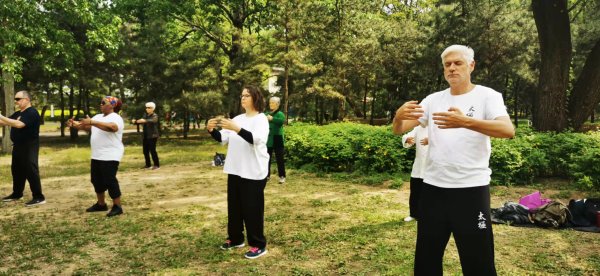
281,180
35,201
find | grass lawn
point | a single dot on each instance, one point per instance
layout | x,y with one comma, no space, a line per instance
175,219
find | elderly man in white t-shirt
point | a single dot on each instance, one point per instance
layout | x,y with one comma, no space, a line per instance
455,198
107,150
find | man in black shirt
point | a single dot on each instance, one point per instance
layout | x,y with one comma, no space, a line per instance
24,133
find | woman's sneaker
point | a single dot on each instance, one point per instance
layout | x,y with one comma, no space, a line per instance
115,211
228,245
35,201
10,198
97,208
255,252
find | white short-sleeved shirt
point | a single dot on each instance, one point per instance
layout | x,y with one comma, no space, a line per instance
243,159
459,157
418,133
107,146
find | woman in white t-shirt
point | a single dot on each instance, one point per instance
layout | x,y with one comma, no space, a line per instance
107,150
246,165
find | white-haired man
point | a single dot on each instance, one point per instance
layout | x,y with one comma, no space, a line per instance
151,134
455,198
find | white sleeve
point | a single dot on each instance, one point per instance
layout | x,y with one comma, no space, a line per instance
412,133
494,106
260,133
424,120
120,124
225,133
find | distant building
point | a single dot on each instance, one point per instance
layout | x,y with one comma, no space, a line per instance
272,81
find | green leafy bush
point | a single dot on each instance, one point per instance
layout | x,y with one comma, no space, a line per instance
346,147
584,167
518,160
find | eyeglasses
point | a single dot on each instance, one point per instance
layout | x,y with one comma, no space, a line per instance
18,99
102,103
245,96
148,107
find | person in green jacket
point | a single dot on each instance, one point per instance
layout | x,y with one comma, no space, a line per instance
276,141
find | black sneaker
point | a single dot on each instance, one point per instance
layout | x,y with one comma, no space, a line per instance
97,208
115,211
228,245
255,252
35,201
10,198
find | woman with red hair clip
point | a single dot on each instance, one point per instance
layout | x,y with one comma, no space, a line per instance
107,150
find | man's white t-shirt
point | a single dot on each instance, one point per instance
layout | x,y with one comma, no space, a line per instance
107,146
459,157
418,133
243,159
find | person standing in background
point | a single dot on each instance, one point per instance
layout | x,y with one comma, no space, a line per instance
418,137
275,144
151,134
24,133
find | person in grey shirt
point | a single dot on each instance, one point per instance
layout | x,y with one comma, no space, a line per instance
151,134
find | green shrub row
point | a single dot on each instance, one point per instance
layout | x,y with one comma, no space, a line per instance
534,154
346,147
373,149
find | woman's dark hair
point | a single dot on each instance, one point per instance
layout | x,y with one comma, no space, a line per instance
257,97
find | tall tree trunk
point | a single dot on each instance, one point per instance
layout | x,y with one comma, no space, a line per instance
73,132
286,91
516,102
554,34
286,69
86,98
121,87
371,122
365,98
317,109
186,123
46,103
8,79
586,92
62,108
79,100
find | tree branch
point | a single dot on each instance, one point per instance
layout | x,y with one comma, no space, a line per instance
207,33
